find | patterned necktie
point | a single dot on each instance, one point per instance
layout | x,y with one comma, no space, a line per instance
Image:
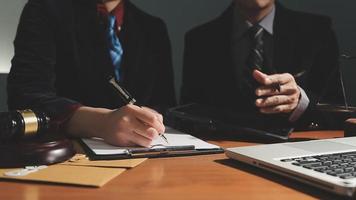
115,47
255,59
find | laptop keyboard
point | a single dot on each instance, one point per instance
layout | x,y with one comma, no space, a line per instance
342,165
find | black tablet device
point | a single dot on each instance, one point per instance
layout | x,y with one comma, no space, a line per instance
197,117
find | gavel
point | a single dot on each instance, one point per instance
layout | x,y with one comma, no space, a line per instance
350,127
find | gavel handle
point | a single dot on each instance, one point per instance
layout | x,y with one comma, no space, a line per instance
350,127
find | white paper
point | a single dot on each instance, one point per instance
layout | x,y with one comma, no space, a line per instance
174,137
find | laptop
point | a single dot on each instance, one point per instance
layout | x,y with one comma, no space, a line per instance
197,117
327,164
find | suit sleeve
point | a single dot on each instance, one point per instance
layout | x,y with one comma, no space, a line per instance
191,90
31,82
324,84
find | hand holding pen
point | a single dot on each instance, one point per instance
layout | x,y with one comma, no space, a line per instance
128,99
279,93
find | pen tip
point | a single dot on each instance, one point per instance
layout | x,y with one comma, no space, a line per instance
164,138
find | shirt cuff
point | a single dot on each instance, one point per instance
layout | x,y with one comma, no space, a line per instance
301,107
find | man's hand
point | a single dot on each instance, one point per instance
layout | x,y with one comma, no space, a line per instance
132,125
128,126
279,93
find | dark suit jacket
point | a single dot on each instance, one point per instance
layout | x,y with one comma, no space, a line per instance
301,42
62,58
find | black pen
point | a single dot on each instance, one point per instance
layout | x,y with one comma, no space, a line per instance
277,86
125,95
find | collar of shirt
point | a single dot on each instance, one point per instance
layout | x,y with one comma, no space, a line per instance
241,26
118,11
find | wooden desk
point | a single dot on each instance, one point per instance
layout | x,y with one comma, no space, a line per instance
199,177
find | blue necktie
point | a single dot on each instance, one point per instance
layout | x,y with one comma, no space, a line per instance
115,47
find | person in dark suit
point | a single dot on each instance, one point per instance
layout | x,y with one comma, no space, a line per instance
260,57
65,50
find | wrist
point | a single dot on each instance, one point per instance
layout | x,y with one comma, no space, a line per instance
88,122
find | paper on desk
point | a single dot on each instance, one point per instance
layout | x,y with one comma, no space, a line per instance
82,160
73,175
174,137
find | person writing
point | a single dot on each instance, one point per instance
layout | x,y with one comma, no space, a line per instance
66,50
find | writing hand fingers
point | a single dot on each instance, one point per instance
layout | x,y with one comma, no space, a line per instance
147,117
138,139
143,129
158,115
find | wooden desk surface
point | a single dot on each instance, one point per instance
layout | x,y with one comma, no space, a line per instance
198,177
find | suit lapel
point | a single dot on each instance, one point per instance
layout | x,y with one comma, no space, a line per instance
90,34
223,46
284,41
133,44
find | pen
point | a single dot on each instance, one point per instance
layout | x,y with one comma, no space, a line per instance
299,74
277,86
128,99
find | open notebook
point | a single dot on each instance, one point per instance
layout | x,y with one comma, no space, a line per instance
179,144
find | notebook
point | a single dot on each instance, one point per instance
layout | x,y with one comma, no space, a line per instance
180,144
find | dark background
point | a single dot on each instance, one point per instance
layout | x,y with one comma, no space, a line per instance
182,15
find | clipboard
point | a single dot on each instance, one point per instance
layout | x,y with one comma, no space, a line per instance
182,145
